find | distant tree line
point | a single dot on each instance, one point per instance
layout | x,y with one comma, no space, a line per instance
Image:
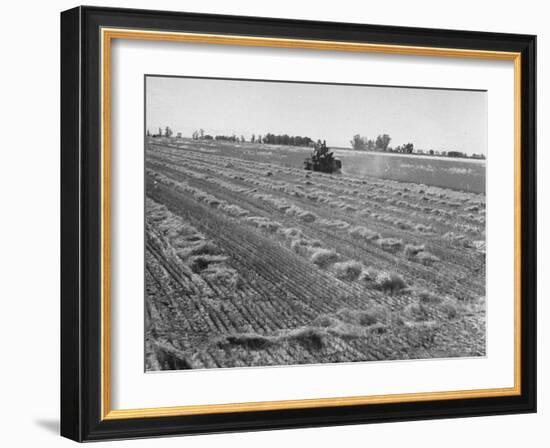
463,155
285,139
274,139
382,144
167,132
269,138
379,144
454,154
226,138
405,149
200,135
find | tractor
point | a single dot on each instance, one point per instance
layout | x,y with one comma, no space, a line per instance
322,159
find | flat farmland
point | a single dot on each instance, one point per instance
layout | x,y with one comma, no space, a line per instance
253,261
457,174
453,173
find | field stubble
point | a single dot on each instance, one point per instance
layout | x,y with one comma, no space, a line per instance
250,263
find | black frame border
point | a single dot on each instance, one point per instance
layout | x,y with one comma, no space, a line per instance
81,223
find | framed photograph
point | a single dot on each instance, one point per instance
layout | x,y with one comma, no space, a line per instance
273,223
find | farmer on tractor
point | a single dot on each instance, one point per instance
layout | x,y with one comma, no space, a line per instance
322,159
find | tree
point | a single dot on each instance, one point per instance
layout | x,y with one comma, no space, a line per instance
281,139
168,132
455,154
148,133
382,142
408,148
160,132
201,133
358,143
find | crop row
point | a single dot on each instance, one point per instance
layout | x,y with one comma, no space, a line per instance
348,199
281,205
277,308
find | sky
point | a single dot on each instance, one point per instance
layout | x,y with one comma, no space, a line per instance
444,120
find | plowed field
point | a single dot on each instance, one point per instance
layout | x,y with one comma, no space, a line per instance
258,263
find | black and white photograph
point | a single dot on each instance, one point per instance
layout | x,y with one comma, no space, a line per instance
296,223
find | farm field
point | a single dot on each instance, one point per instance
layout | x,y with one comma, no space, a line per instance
457,174
253,261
